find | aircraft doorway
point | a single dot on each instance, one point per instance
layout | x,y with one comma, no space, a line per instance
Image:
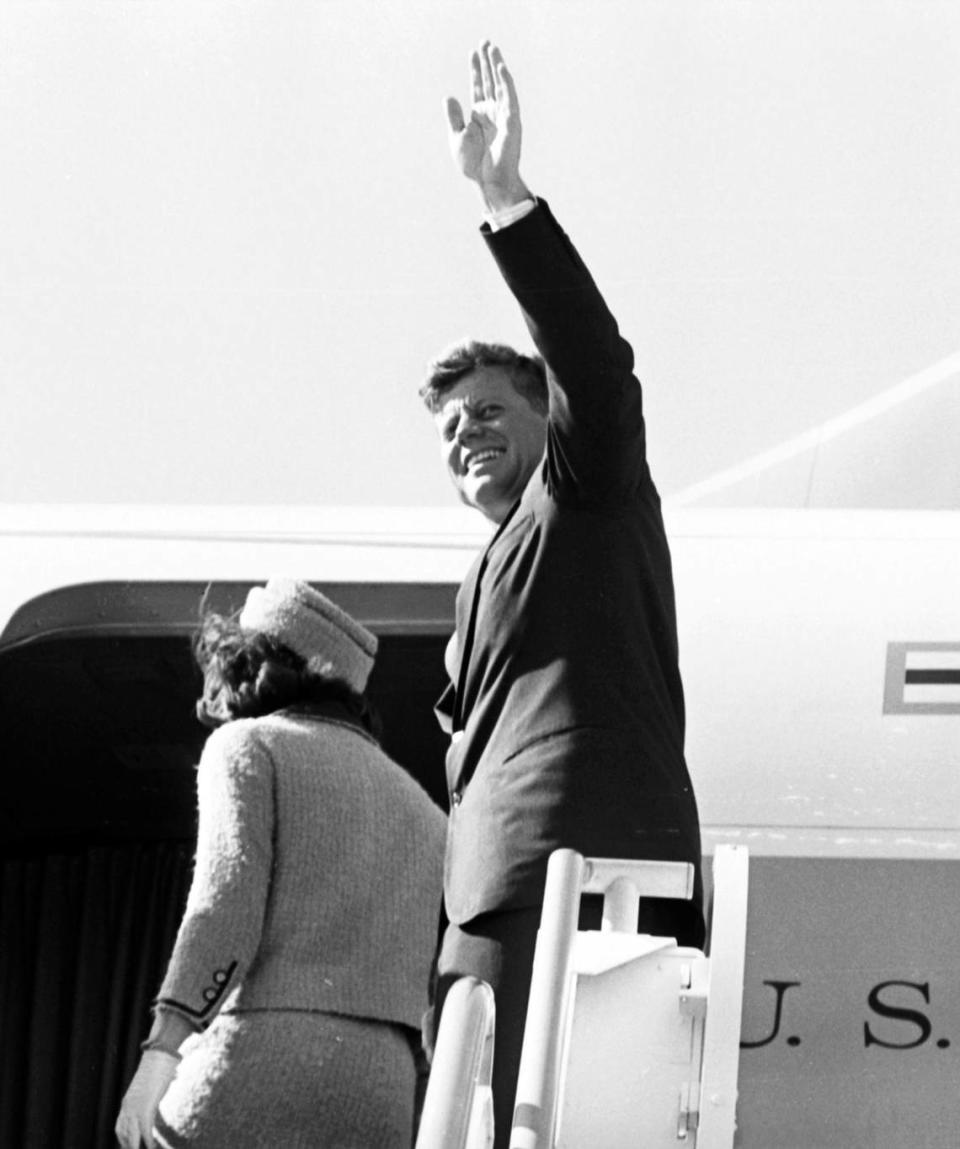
97,692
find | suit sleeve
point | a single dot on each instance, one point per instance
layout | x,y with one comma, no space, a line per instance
596,442
223,921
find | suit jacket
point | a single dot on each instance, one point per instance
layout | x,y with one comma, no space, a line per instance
568,712
317,875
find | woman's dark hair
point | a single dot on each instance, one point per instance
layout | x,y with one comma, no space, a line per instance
247,674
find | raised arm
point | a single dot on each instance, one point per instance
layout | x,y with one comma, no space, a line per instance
596,418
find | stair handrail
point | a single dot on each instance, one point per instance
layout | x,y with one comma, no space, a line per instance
535,1111
568,874
721,1039
457,1110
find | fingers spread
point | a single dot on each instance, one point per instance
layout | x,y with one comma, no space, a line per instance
476,78
505,82
454,115
486,70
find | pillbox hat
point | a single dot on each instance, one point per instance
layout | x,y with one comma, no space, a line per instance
311,625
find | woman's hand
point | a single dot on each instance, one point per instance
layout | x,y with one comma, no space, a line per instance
138,1109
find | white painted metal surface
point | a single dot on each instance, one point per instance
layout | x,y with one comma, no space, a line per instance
458,1107
622,1046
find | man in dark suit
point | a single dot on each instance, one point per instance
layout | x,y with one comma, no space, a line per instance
566,707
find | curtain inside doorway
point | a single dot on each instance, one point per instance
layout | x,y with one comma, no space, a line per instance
85,934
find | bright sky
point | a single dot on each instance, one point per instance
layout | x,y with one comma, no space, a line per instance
231,235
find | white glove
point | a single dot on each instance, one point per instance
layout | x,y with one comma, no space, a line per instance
139,1106
428,1033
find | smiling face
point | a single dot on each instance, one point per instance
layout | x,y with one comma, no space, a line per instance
491,439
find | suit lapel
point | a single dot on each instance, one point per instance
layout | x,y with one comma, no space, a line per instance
468,606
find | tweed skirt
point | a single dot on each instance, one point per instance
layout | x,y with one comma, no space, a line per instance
286,1079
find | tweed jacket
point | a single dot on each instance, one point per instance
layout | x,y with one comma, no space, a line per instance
317,879
566,705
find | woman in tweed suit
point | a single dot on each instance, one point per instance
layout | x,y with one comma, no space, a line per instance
290,1009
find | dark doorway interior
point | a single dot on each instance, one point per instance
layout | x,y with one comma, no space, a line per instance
97,690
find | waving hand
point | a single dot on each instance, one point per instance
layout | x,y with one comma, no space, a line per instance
486,147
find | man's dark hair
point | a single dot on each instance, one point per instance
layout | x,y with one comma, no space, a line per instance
527,372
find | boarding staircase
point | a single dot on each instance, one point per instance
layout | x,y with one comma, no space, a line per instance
630,1039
